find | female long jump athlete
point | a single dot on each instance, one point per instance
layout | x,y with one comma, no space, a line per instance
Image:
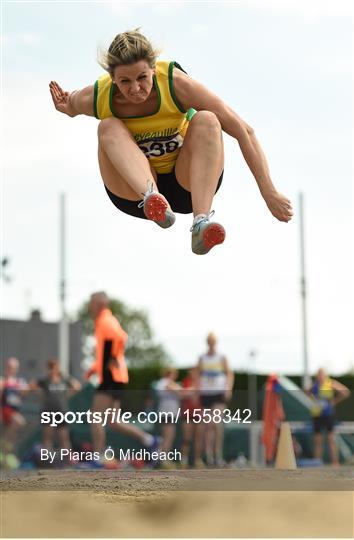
160,136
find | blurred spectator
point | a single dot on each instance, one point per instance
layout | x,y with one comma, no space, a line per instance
215,385
169,395
55,389
326,394
12,389
190,404
112,372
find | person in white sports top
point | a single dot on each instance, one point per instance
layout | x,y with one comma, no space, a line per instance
169,400
215,386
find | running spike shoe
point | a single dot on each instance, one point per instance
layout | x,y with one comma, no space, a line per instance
206,234
156,208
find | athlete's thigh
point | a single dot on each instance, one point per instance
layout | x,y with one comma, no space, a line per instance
17,420
116,403
63,436
187,430
168,430
113,181
183,162
218,405
218,408
101,401
200,430
48,432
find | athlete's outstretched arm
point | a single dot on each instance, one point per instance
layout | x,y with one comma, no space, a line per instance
72,103
191,93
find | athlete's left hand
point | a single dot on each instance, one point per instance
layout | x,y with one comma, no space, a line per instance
279,206
61,99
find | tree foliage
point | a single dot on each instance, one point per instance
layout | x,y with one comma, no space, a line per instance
141,349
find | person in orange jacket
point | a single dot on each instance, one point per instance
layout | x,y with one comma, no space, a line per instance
112,372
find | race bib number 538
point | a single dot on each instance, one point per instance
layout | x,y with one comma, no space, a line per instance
160,147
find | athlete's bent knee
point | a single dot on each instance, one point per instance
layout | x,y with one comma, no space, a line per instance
109,125
206,119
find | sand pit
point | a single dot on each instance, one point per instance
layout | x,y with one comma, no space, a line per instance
178,504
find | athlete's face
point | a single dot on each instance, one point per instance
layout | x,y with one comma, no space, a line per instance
94,307
211,341
174,375
135,81
53,368
321,375
12,367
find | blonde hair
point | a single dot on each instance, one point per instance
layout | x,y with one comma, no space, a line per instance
128,48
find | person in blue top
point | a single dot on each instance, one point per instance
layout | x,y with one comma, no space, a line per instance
326,394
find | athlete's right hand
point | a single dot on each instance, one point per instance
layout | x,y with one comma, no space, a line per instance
61,99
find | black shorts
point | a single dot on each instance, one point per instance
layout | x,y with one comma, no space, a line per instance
209,401
111,388
323,423
62,424
179,198
168,418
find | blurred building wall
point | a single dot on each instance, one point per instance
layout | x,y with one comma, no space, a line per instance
34,341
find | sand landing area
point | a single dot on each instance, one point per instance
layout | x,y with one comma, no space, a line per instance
319,479
153,504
